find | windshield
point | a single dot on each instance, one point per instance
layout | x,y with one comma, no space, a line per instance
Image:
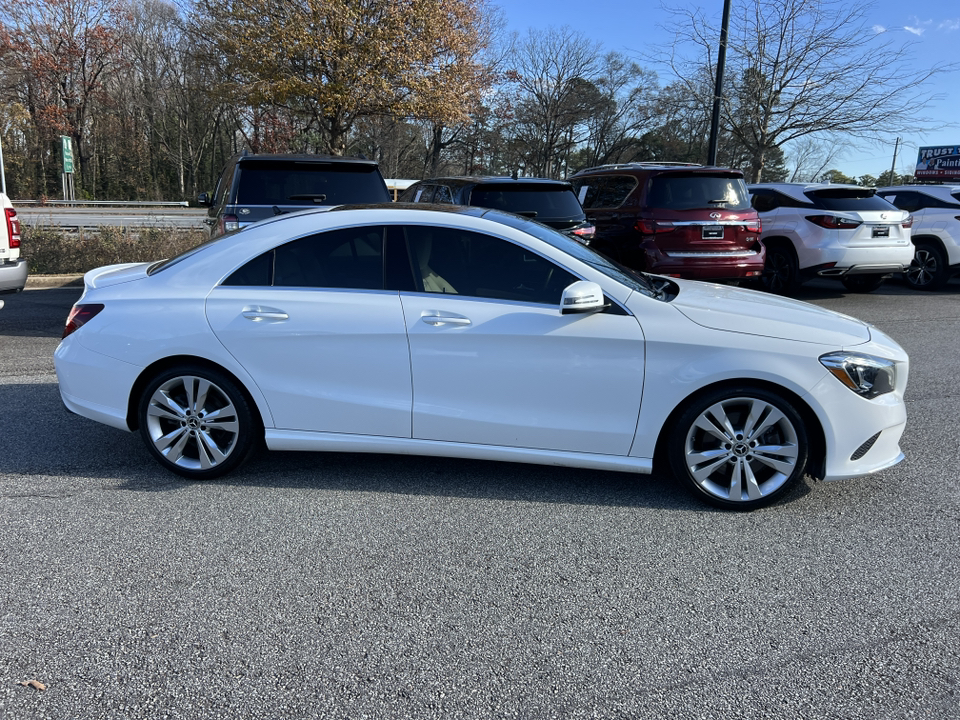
625,276
543,202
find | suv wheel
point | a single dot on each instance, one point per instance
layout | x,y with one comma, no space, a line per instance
781,274
862,283
928,271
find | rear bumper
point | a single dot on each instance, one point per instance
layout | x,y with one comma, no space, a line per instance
13,275
712,267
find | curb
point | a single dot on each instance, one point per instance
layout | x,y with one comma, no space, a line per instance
53,281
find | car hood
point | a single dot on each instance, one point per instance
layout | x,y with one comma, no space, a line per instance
721,307
115,274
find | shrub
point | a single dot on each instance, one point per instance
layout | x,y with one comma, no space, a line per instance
51,251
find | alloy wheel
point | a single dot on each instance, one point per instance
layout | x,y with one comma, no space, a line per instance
192,423
742,450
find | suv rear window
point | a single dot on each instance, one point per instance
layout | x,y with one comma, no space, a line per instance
847,199
676,191
543,202
309,184
604,191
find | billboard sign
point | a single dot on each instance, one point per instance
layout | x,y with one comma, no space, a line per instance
938,163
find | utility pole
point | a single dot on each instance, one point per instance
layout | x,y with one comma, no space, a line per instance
893,165
718,88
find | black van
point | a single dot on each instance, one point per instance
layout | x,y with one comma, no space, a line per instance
256,187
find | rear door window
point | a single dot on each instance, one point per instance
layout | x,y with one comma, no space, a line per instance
351,258
607,191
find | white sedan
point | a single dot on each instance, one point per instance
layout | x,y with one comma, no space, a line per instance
472,333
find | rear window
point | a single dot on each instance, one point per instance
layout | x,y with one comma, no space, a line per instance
309,184
675,191
543,202
848,199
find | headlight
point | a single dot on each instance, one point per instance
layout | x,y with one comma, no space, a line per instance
866,375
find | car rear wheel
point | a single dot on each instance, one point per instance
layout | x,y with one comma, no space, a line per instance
196,422
862,283
928,271
739,448
781,273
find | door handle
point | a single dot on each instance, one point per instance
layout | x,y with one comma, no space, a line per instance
437,319
259,314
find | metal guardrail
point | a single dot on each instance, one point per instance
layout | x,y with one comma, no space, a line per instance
103,203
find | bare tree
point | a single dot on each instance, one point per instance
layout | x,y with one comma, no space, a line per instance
550,73
797,68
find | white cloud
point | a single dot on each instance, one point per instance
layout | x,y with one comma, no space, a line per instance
879,29
949,25
914,30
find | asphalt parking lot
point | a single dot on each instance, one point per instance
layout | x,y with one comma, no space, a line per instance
349,586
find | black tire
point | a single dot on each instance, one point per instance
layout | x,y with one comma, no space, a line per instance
781,273
929,270
763,458
862,283
196,422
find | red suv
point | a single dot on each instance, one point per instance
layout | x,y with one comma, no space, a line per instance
688,221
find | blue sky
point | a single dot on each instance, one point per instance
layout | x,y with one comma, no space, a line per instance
629,27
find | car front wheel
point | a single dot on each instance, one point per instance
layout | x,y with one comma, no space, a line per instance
739,448
196,422
928,271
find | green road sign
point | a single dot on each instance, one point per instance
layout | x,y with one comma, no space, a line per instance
67,146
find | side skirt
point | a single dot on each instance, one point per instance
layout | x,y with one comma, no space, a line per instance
337,442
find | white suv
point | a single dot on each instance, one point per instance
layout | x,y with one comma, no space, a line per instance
826,230
13,268
936,231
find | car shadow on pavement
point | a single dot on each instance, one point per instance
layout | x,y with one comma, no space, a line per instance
46,441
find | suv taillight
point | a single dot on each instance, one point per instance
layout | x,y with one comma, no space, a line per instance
753,226
908,223
584,232
832,222
79,315
229,223
651,227
13,227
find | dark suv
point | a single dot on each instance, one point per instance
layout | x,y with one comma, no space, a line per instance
255,187
688,221
551,202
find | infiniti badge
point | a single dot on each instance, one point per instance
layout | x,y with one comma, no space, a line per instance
716,216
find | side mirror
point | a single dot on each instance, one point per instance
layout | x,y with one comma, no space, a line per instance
582,297
203,200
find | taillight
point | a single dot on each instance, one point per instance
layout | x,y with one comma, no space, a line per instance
78,317
650,227
585,232
832,222
229,223
908,223
13,227
753,226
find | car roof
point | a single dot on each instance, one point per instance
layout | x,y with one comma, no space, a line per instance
949,193
619,168
799,191
301,158
493,180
